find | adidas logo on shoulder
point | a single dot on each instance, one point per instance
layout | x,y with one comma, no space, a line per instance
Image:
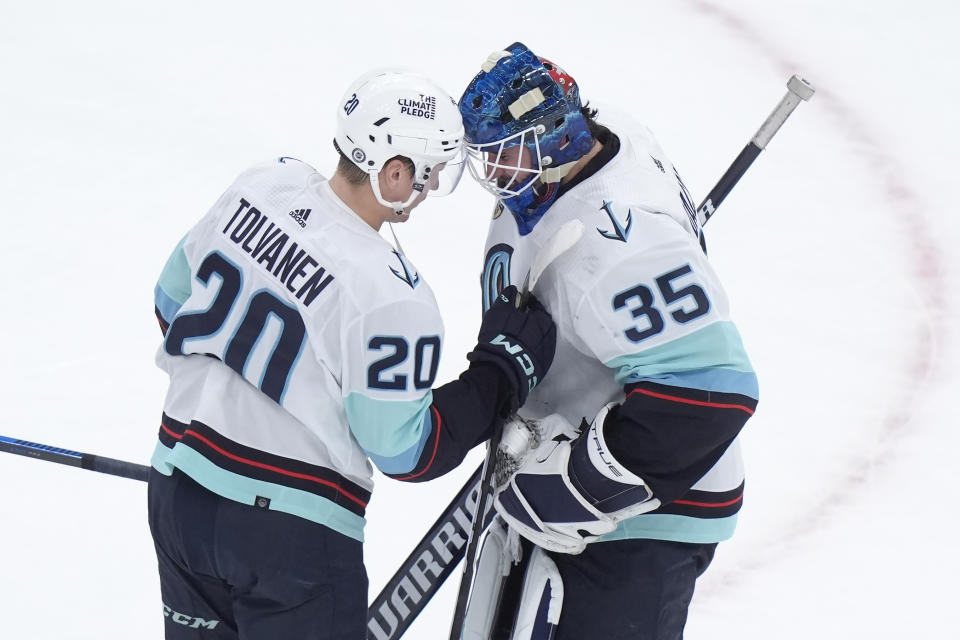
300,215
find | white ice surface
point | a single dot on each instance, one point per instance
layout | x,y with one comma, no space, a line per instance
120,125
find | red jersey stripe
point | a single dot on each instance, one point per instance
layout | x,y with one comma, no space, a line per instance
254,463
699,403
436,446
714,505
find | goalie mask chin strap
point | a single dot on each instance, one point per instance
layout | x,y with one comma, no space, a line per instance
556,174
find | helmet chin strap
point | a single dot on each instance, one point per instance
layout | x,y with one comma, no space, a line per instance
398,207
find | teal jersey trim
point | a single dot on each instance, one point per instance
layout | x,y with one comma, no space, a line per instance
719,380
393,433
658,526
166,305
715,349
245,490
173,287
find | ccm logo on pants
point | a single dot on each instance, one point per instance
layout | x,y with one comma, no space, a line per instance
188,621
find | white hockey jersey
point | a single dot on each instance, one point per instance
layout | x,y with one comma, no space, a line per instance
635,302
298,343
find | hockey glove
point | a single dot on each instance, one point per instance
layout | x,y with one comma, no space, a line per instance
571,490
519,341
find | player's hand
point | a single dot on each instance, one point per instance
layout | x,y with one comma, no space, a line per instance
519,341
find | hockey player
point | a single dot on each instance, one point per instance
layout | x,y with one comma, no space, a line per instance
300,345
629,506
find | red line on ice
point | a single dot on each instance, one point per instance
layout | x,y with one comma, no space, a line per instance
925,256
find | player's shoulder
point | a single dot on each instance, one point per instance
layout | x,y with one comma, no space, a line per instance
635,240
280,170
620,245
379,276
637,199
278,189
640,157
635,137
623,220
389,296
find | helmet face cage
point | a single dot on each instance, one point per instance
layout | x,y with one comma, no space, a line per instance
502,177
521,99
391,112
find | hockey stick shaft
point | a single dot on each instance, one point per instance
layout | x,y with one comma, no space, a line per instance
101,464
478,525
425,570
798,90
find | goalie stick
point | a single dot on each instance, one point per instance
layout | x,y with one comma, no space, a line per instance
797,89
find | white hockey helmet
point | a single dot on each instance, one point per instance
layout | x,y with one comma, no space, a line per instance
396,112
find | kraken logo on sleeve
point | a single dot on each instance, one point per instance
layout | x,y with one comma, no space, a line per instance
409,275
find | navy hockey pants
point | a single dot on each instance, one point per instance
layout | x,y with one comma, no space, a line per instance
230,570
629,589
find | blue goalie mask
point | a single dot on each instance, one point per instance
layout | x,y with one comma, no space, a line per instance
524,130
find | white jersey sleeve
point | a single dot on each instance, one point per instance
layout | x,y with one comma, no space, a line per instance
393,353
659,313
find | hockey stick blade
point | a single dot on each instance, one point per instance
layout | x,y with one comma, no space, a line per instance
798,90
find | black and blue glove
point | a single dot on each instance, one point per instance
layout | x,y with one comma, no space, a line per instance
521,342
